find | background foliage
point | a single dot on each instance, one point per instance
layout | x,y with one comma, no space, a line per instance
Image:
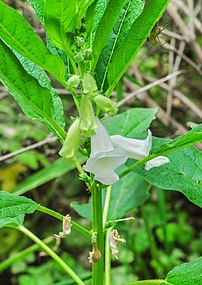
166,231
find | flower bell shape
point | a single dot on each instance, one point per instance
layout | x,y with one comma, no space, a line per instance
139,149
73,81
87,117
136,149
89,84
104,157
105,104
71,143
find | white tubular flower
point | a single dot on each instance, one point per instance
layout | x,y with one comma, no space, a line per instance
104,158
139,149
136,149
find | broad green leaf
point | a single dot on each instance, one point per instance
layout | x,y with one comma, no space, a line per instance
105,27
90,14
37,72
132,123
129,14
56,169
18,220
38,7
35,100
60,22
12,206
183,173
192,137
126,195
84,210
99,12
135,38
186,273
18,34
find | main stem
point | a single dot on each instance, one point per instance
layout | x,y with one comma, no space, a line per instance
98,267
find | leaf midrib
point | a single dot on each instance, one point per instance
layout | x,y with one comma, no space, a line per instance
57,128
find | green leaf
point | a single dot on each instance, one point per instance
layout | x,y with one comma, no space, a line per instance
84,210
37,72
126,195
18,34
56,169
18,220
186,273
132,123
60,20
36,101
90,14
105,27
183,173
129,14
192,137
12,206
135,38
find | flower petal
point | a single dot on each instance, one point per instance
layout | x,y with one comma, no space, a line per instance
101,141
136,149
157,161
103,164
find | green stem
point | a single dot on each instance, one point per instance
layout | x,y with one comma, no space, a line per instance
22,254
150,282
107,204
98,268
78,166
60,217
136,165
51,253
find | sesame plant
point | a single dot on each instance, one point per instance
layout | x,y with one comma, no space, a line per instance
89,46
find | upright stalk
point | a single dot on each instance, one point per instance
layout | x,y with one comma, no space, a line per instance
98,267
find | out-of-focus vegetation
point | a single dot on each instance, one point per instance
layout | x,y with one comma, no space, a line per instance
167,228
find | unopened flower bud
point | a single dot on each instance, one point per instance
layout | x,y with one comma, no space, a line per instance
79,56
73,81
71,143
105,104
87,117
88,53
80,41
89,84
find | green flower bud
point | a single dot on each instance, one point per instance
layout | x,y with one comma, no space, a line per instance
79,56
71,143
105,104
73,81
89,84
80,41
87,117
88,53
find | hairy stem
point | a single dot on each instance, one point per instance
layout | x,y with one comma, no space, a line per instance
98,267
